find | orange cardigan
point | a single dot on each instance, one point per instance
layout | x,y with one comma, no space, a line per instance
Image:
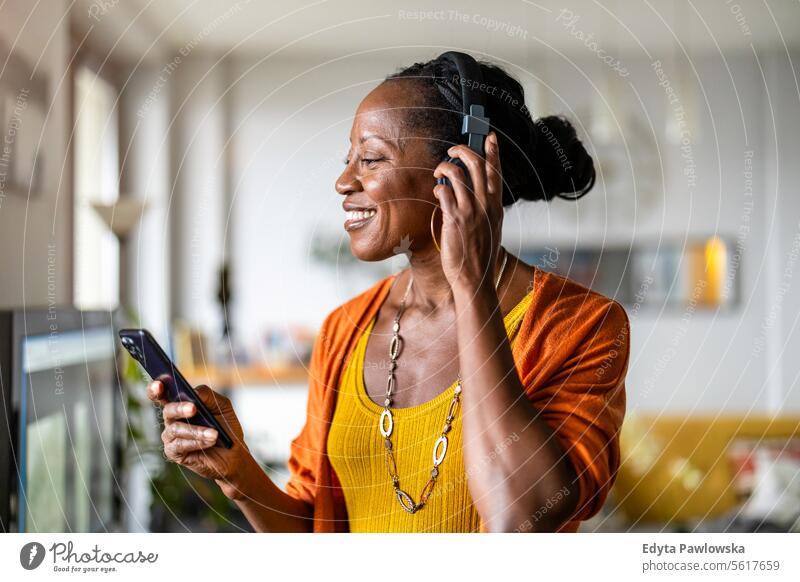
571,354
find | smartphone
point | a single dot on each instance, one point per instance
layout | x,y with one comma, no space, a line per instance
145,350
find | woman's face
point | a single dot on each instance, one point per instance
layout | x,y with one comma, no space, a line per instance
388,177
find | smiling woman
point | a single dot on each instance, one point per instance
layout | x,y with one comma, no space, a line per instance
462,393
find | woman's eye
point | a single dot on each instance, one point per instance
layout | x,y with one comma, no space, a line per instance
365,161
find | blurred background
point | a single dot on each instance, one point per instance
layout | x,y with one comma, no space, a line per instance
171,165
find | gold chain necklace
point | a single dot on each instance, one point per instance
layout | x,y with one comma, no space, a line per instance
386,421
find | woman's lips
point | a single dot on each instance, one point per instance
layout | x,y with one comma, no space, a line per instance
358,218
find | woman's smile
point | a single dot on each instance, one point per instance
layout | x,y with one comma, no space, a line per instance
358,218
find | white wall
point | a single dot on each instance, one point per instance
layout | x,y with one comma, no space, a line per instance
196,200
782,146
146,175
36,232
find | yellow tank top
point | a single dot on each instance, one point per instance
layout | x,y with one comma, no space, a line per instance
356,452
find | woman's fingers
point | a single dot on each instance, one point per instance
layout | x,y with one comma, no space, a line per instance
494,174
176,450
215,402
476,166
446,198
184,430
155,392
462,195
174,411
180,438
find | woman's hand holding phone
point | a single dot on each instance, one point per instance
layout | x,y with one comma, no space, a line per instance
235,470
193,447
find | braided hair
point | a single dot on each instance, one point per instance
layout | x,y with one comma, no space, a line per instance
541,159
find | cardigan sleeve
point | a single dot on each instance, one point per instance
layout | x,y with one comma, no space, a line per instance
583,401
307,447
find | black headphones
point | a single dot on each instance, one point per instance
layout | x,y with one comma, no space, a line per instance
475,126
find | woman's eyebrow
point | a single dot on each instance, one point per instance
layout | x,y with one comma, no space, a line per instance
395,143
372,136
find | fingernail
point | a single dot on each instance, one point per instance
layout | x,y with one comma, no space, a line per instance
209,434
187,408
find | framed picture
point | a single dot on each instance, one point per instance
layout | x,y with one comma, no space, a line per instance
674,275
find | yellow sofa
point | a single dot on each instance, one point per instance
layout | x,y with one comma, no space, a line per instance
677,470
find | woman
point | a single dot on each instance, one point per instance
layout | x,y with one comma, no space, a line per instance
526,437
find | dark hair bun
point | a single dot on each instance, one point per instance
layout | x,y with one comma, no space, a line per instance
559,164
541,159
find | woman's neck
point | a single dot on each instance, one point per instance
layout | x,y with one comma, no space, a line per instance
431,290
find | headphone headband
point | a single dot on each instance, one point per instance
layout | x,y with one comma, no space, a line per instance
476,125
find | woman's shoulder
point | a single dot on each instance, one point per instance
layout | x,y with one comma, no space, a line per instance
572,325
561,299
351,313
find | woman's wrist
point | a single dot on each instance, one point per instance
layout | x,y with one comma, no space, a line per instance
467,294
244,479
473,283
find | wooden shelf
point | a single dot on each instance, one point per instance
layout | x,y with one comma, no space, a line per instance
243,376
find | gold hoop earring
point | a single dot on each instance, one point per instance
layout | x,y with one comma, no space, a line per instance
433,233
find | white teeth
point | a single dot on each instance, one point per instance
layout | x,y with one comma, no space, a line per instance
360,214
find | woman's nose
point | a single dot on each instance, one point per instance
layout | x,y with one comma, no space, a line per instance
347,182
